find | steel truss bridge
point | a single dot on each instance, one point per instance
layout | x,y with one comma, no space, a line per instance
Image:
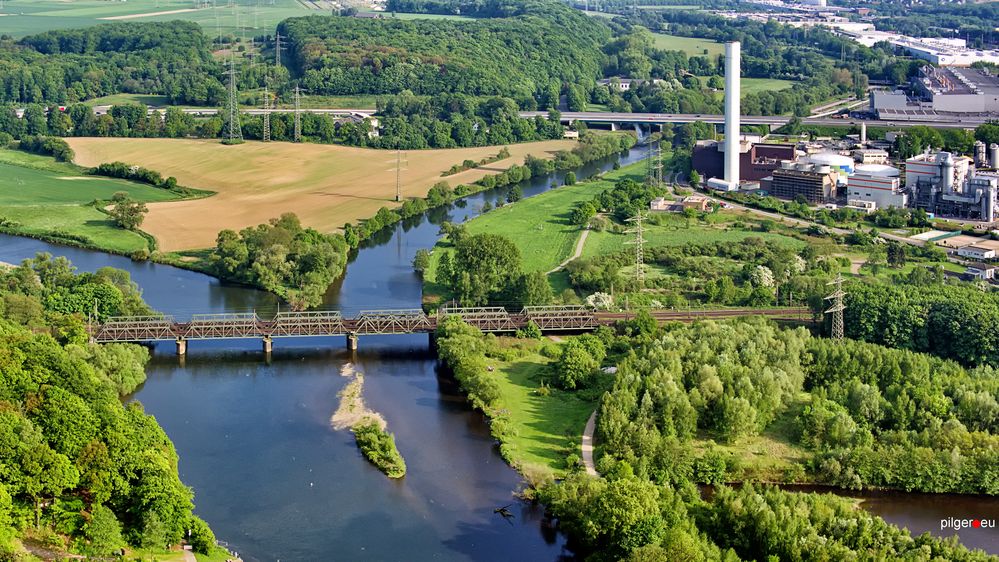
383,322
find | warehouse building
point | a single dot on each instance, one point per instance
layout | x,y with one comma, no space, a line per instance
878,184
816,183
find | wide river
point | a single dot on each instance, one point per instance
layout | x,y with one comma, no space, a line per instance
276,482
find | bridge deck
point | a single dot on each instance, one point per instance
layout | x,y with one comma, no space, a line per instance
333,323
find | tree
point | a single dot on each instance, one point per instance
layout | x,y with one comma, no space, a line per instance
575,365
484,266
533,289
695,179
515,194
422,260
570,178
103,531
126,212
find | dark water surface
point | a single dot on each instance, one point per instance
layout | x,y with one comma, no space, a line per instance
275,481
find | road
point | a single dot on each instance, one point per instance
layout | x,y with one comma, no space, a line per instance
637,118
579,251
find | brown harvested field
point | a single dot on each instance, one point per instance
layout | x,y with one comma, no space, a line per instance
325,185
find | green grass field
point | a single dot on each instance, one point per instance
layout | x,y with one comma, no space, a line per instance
545,427
540,225
25,17
691,45
600,243
116,99
41,197
756,85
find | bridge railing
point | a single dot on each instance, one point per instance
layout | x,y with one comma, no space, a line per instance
485,318
561,317
403,321
227,325
134,328
317,323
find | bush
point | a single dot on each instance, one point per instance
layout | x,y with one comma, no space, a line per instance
378,446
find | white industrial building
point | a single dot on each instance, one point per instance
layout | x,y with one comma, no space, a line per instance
941,91
977,252
878,184
949,186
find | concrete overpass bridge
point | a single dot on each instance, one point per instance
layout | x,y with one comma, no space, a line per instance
388,322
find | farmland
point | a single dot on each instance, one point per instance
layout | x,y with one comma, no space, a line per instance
326,186
41,197
25,17
693,46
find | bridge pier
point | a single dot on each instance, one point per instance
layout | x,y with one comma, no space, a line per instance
181,346
268,344
614,126
352,341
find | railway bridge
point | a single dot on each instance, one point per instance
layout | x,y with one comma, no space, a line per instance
387,322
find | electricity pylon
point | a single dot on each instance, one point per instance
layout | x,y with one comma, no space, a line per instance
267,113
654,172
298,114
639,243
277,49
837,307
234,134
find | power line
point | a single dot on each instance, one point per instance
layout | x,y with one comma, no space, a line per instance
837,307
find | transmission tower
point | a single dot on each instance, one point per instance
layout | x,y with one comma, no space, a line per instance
654,165
639,243
267,113
837,307
298,114
277,49
234,134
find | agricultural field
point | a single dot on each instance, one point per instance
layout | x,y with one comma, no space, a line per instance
325,185
39,196
25,17
693,46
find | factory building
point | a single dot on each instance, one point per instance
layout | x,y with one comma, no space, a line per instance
841,164
878,184
941,184
816,183
756,160
945,90
870,156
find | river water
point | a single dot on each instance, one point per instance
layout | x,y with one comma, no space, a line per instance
277,483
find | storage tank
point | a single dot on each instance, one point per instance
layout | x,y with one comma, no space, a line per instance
839,162
980,159
994,155
877,170
946,162
822,169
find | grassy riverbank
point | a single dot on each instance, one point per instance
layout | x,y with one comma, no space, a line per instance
42,198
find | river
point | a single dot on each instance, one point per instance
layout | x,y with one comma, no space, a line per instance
277,483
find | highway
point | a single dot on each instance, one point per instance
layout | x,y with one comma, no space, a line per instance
639,118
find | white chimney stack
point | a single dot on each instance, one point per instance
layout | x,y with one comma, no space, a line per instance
732,93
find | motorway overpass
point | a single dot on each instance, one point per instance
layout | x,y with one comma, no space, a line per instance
629,119
773,121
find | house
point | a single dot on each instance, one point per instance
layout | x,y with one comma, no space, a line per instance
696,202
982,271
625,84
977,252
570,134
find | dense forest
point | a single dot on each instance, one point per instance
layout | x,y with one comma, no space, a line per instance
80,471
65,66
685,398
517,56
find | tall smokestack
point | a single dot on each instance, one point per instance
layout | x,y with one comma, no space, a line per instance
732,92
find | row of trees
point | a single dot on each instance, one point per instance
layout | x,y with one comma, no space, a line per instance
74,460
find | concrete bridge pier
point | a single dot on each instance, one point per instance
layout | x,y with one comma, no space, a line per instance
614,126
181,346
352,341
268,344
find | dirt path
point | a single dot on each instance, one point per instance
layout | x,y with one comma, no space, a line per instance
587,447
579,251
